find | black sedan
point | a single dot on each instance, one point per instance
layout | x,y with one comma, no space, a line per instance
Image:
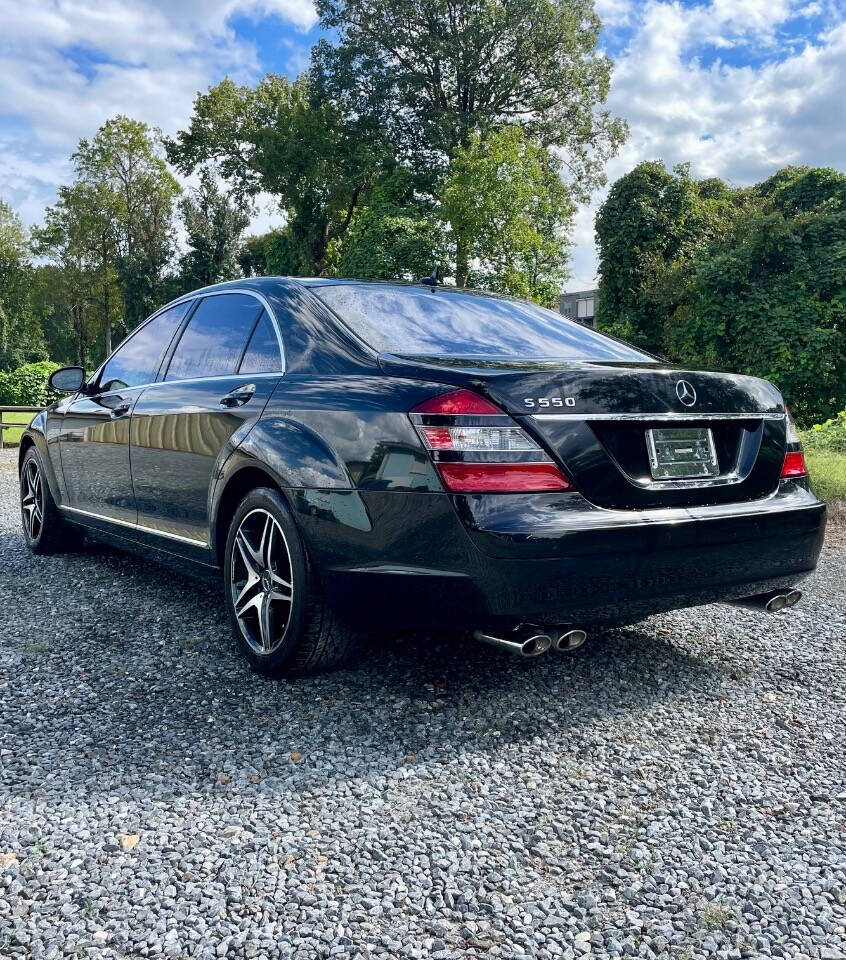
350,453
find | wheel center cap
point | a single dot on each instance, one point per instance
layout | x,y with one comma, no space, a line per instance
266,581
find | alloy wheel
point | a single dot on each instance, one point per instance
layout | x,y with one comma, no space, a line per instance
32,500
261,581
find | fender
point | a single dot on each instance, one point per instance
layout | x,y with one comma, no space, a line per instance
36,435
290,454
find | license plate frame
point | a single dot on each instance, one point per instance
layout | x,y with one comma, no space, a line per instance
682,453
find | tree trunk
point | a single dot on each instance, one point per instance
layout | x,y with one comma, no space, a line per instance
462,260
107,318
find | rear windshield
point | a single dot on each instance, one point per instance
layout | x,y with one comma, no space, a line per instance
395,319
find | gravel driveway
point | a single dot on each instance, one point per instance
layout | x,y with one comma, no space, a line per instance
676,789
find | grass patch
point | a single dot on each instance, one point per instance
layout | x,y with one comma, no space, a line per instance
715,918
828,473
13,437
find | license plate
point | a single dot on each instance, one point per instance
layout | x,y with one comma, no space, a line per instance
682,454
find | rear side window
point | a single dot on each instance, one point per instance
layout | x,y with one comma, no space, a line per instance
136,361
212,343
262,354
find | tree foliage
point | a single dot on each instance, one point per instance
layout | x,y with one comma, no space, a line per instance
285,139
444,73
398,236
510,211
111,232
752,281
21,336
213,225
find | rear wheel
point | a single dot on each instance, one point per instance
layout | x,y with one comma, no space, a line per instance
44,528
279,614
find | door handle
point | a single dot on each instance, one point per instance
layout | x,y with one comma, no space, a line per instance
120,410
239,396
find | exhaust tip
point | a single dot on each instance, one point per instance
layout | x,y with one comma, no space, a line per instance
535,645
776,603
793,597
570,640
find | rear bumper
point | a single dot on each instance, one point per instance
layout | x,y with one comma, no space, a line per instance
556,558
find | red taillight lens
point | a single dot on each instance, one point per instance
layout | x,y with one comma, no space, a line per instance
794,464
502,477
477,448
458,403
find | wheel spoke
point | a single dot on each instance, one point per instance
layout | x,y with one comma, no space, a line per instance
248,597
251,557
266,541
264,622
252,602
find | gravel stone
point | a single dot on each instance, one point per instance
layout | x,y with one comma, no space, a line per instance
671,790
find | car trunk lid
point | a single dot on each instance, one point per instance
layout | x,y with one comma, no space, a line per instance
594,418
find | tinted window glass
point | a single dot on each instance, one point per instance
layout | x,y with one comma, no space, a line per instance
262,354
445,322
137,360
212,343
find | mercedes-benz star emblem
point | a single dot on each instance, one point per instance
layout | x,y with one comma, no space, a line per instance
685,393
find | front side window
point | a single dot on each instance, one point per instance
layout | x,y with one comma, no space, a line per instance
212,343
262,354
445,322
136,361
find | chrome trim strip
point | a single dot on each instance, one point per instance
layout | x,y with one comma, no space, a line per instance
657,416
603,518
135,526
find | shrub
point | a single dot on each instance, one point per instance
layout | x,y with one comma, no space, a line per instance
27,386
830,435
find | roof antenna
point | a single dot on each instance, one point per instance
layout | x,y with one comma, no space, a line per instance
432,280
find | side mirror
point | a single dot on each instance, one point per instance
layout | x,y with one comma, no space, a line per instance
67,379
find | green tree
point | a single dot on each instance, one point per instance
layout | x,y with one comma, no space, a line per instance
21,337
770,298
444,72
131,194
72,296
397,236
652,222
289,140
510,209
214,225
111,231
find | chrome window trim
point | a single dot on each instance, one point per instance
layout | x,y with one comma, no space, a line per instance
222,293
657,416
190,298
135,526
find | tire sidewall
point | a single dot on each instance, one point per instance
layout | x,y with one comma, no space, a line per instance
267,499
47,509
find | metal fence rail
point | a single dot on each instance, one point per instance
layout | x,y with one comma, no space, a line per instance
6,425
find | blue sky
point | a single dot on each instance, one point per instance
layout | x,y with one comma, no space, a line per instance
735,87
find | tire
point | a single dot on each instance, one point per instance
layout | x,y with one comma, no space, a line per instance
45,530
279,615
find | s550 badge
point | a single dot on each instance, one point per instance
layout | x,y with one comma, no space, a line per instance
543,403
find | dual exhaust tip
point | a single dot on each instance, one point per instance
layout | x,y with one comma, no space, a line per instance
771,602
531,641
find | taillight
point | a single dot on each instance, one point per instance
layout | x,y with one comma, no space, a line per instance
479,449
794,460
794,464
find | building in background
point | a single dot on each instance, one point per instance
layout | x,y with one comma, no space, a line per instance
580,305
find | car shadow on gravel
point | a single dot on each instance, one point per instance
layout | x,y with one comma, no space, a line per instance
123,675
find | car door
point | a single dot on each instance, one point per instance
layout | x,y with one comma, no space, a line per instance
225,364
94,431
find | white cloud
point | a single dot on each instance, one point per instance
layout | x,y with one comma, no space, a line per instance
66,66
739,122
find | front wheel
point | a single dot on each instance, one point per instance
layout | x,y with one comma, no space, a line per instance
279,614
44,528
